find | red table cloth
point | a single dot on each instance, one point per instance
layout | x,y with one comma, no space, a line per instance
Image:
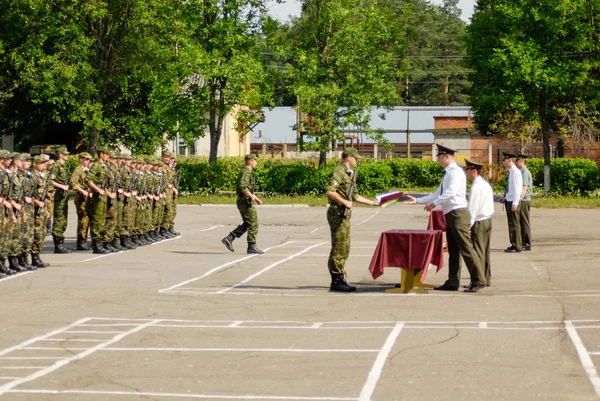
437,221
408,249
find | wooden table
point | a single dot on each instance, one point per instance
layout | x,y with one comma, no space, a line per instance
413,251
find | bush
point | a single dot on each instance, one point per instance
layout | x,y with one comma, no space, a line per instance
567,176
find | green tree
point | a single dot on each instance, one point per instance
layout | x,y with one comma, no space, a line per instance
436,74
218,70
92,62
343,55
534,59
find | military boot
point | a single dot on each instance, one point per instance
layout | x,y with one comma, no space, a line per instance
125,243
98,248
108,246
252,249
25,263
339,284
13,264
37,261
135,240
164,233
59,247
175,233
4,269
228,241
82,245
116,244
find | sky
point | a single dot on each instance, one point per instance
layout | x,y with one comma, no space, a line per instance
292,7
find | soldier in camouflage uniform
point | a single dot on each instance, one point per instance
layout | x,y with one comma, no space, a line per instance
41,180
60,181
28,211
97,181
167,227
338,192
5,209
111,211
14,196
245,204
50,198
78,183
125,203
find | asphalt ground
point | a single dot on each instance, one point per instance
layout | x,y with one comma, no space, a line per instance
187,319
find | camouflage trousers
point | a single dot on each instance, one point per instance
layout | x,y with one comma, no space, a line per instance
83,220
148,212
128,221
28,229
4,232
61,211
49,205
41,216
159,214
14,236
340,240
169,211
121,222
97,213
111,220
249,221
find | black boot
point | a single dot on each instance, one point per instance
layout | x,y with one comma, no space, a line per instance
175,233
228,241
82,245
109,247
252,249
13,264
25,263
58,246
135,240
125,242
339,284
98,248
37,262
116,244
130,243
4,269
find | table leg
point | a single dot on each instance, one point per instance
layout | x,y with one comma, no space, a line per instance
410,282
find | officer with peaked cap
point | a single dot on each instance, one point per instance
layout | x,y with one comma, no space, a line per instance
481,209
451,197
525,204
512,200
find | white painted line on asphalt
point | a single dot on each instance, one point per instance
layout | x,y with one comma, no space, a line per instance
33,340
584,357
221,267
99,257
187,395
483,325
206,229
266,269
15,276
9,386
166,240
73,339
367,219
298,350
375,373
92,332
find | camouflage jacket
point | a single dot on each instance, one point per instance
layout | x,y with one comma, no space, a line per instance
340,181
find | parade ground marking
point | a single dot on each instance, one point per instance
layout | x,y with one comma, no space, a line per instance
15,276
117,329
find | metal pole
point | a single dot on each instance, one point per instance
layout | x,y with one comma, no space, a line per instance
408,134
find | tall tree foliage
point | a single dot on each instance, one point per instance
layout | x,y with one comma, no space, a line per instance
92,62
343,55
436,74
535,59
217,70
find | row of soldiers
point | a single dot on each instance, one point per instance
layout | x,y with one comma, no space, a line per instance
121,201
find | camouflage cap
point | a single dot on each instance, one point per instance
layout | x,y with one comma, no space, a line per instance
39,159
26,156
4,154
85,155
62,150
15,156
250,156
126,157
167,153
351,152
45,157
106,151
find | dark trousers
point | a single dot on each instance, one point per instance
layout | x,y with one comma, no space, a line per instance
458,237
481,234
514,226
249,221
524,210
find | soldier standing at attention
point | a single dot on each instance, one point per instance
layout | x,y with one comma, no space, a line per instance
451,196
61,200
525,206
78,183
481,209
245,204
338,216
28,211
51,190
97,180
512,200
41,214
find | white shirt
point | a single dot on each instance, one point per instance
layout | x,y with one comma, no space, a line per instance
481,201
515,185
452,192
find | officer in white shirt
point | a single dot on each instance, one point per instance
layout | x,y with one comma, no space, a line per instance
481,208
511,199
451,197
